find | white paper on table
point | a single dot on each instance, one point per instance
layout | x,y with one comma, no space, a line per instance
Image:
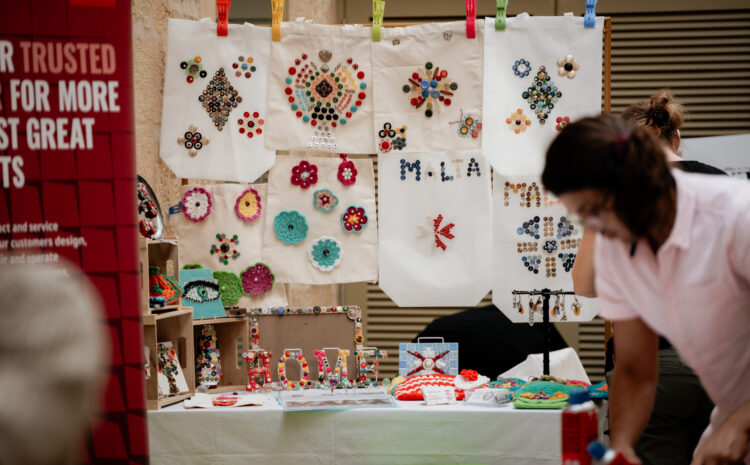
415,270
427,50
563,363
229,154
541,41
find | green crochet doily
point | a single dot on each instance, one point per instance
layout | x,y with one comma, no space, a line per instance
547,387
230,287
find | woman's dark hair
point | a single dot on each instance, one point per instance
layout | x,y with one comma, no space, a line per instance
606,154
663,114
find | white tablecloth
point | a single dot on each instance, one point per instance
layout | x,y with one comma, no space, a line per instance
409,434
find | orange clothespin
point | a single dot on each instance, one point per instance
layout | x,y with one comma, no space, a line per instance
277,14
471,19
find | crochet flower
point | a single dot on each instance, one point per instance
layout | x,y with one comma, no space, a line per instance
196,204
305,174
469,375
257,279
230,287
347,171
290,226
324,200
247,207
567,66
354,219
325,253
225,248
517,121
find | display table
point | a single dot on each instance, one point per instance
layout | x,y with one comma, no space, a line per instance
409,434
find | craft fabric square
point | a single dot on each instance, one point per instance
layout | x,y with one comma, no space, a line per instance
428,88
435,228
420,358
320,89
214,115
322,225
534,247
541,73
221,228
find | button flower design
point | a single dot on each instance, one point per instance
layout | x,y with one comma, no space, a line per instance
325,200
347,171
517,121
430,87
325,253
225,248
250,124
521,68
562,122
567,66
290,227
391,138
244,66
305,174
437,231
354,219
196,204
193,68
468,125
192,140
257,279
247,207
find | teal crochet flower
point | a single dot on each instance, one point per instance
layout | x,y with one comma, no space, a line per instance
325,253
290,226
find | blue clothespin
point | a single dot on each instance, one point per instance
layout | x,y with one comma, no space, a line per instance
500,17
378,9
589,18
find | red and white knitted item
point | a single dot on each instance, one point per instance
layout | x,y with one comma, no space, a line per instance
409,389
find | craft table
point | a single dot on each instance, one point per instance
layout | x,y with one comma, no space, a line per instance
409,434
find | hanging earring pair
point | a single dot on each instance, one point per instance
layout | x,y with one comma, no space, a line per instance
576,306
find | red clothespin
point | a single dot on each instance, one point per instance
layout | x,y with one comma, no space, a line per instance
222,24
471,19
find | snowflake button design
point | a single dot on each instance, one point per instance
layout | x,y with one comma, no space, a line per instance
517,121
192,140
225,248
250,124
325,253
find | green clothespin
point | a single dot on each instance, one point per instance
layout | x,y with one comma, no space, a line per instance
500,18
378,9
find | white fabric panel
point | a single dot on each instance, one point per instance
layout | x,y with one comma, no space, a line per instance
414,269
563,363
196,238
291,262
404,51
541,41
229,155
510,272
322,46
410,434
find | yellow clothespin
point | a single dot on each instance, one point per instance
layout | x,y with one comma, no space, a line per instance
501,16
277,14
378,9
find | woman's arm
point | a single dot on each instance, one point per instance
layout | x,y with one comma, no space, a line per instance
583,267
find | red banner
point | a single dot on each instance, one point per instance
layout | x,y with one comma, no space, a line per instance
68,179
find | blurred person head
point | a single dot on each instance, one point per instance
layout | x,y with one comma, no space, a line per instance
662,114
614,176
51,355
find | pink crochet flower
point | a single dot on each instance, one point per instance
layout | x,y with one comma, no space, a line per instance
305,174
196,204
257,279
347,171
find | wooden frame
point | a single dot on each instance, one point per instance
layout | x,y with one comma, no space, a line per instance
175,327
228,331
163,254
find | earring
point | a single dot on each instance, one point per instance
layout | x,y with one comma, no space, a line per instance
520,305
556,307
576,306
515,304
564,317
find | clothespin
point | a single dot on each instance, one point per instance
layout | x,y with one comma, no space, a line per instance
589,18
277,14
222,24
471,19
378,8
501,16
